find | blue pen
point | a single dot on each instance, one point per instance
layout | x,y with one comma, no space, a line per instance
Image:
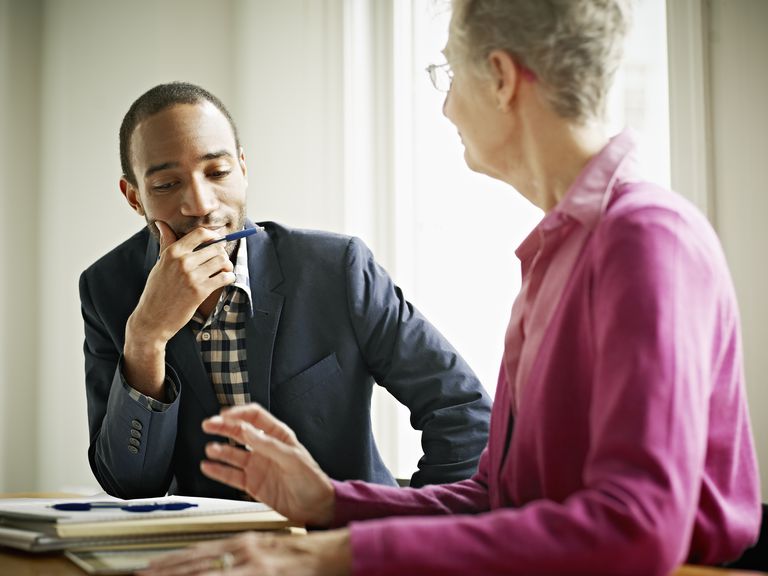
146,507
231,237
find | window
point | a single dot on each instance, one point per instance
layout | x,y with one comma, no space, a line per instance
455,231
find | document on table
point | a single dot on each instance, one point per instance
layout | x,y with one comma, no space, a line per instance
36,525
112,562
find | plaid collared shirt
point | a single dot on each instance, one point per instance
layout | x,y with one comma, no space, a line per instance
221,338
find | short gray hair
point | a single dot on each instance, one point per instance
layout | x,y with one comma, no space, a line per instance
572,46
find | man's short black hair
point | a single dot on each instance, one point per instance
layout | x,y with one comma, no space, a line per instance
156,100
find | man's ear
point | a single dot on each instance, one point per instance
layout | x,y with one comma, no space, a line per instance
243,167
506,74
132,195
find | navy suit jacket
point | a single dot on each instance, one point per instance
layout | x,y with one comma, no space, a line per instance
328,322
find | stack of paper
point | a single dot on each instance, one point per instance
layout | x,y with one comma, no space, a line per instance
36,525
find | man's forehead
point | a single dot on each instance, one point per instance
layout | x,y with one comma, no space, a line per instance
182,129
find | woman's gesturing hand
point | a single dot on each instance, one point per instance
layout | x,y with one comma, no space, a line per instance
269,464
319,554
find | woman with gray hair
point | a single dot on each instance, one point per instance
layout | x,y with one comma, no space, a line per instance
620,440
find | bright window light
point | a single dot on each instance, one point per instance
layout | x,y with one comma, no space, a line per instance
458,263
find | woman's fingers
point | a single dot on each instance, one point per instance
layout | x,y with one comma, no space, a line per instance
234,477
237,556
260,418
254,439
181,566
202,558
258,444
227,454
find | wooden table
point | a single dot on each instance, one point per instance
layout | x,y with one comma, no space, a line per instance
17,563
705,571
22,564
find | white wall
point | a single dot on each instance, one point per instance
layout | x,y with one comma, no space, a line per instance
5,47
287,100
20,284
719,129
739,111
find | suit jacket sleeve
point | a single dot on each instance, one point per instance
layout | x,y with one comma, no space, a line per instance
131,446
418,366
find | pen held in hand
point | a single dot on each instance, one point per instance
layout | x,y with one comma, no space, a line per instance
230,237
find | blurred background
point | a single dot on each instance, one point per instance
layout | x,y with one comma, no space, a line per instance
342,131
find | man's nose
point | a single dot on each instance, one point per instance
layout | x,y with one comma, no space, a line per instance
199,198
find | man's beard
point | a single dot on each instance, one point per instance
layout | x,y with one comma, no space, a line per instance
200,222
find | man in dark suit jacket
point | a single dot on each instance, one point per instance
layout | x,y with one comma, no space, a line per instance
302,322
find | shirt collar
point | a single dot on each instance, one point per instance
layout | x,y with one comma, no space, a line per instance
242,276
589,195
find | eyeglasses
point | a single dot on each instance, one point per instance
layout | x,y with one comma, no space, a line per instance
441,76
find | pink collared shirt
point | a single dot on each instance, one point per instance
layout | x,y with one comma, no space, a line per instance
620,440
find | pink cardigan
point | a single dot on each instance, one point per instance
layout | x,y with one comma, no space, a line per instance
620,440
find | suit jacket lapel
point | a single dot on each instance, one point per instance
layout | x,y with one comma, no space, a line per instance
184,355
265,274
